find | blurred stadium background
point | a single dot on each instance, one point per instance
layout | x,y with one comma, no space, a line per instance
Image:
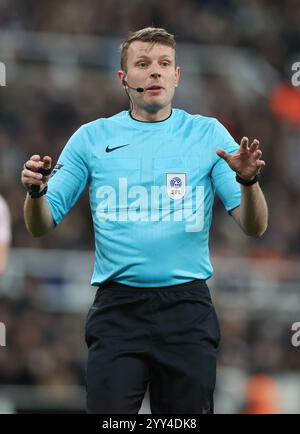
61,60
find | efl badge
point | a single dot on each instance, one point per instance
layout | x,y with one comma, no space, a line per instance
176,185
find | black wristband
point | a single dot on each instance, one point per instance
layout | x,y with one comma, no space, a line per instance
36,194
246,182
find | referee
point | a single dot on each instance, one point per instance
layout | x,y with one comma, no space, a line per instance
152,172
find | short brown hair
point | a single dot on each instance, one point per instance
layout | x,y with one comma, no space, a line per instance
148,34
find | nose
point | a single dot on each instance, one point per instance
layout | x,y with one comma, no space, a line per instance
155,75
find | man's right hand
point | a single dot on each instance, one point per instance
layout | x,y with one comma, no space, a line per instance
30,174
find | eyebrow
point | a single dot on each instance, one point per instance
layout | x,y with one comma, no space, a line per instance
144,56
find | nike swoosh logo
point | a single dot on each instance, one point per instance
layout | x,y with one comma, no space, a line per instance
113,149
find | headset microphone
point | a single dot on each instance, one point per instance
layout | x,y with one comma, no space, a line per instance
138,89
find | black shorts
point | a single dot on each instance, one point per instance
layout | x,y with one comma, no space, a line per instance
166,337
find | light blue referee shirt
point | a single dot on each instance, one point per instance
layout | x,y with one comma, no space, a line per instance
151,188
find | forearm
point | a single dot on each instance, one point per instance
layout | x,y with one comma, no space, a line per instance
37,216
253,210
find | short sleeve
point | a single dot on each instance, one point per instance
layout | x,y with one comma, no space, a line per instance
223,177
69,176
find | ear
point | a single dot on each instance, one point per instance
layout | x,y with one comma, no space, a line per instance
177,76
121,77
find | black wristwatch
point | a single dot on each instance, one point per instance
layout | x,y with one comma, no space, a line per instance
35,193
245,181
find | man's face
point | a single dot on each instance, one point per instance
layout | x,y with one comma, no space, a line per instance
152,67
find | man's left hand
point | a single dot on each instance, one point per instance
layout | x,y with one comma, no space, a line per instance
246,160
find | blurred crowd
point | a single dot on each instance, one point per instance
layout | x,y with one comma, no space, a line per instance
269,26
45,347
42,347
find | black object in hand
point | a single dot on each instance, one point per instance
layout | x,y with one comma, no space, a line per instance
44,172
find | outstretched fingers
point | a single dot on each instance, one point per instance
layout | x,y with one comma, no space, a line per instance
244,144
260,163
257,154
254,145
221,153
